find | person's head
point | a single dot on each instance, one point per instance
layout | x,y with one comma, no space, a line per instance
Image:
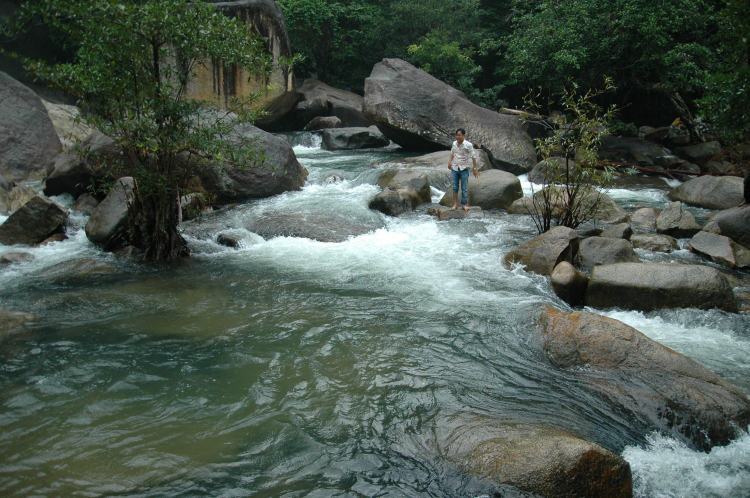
460,135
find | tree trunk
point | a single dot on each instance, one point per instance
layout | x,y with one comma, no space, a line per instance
153,221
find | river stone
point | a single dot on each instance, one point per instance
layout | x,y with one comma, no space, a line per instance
718,167
596,251
85,204
676,221
710,192
55,237
28,141
733,223
64,120
19,196
322,123
15,257
645,218
6,184
534,458
670,390
315,98
549,169
32,222
631,150
542,253
78,270
111,214
494,189
619,231
404,191
437,160
13,321
654,242
443,213
524,205
420,112
700,153
646,287
720,249
568,283
280,172
354,138
324,227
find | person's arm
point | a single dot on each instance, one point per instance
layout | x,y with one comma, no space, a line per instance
476,171
450,161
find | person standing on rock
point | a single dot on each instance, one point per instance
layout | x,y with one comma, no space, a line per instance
462,155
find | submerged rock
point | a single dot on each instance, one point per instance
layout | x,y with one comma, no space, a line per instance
354,138
710,192
15,257
646,287
323,227
33,222
671,391
14,321
543,253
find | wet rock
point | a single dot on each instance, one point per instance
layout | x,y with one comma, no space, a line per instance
608,211
494,189
640,183
420,112
631,150
229,239
112,214
86,204
28,141
676,221
645,218
322,123
543,253
720,249
55,237
323,227
19,196
404,191
700,153
354,138
550,168
14,321
654,242
15,257
6,184
568,283
671,391
619,231
33,222
280,172
596,251
733,223
443,213
524,205
533,458
718,167
318,99
78,270
646,287
710,192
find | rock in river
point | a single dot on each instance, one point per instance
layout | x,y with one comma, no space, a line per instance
404,191
733,223
710,192
543,253
111,214
677,221
595,251
568,283
354,138
494,189
33,222
720,249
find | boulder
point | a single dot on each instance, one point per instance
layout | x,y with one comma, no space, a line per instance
279,172
322,123
524,205
596,251
28,141
533,458
631,150
55,237
229,239
548,169
568,283
112,214
645,218
78,271
33,222
671,391
718,167
619,231
710,192
676,221
315,98
608,211
15,257
420,112
85,204
733,223
720,249
443,213
19,196
330,226
64,120
6,184
494,189
646,287
354,138
654,242
700,153
543,253
402,192
437,160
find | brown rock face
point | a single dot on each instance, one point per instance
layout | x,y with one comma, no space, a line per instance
668,389
569,284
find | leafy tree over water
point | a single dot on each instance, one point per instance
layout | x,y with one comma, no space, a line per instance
133,61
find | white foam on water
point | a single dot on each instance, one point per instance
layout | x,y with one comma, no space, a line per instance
667,468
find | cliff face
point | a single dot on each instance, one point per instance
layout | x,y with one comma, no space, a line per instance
265,18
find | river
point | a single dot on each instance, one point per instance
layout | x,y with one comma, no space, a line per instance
295,368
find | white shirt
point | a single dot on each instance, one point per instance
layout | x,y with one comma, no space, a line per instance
462,155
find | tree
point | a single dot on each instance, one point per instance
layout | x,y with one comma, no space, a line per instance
133,61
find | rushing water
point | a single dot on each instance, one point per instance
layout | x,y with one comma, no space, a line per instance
291,367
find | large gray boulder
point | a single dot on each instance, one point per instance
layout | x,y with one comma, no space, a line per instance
279,172
733,223
595,251
402,191
543,253
63,119
619,231
646,287
534,458
568,283
436,160
631,150
33,222
28,141
700,153
720,249
494,189
710,192
645,218
676,221
550,168
420,112
354,138
111,214
671,391
323,123
315,98
654,242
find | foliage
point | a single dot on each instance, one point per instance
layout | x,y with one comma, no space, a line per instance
571,192
445,61
133,62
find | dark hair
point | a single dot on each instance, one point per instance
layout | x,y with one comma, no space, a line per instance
463,132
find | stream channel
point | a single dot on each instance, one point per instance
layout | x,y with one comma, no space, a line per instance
290,367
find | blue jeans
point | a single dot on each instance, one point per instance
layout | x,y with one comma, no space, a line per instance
463,176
